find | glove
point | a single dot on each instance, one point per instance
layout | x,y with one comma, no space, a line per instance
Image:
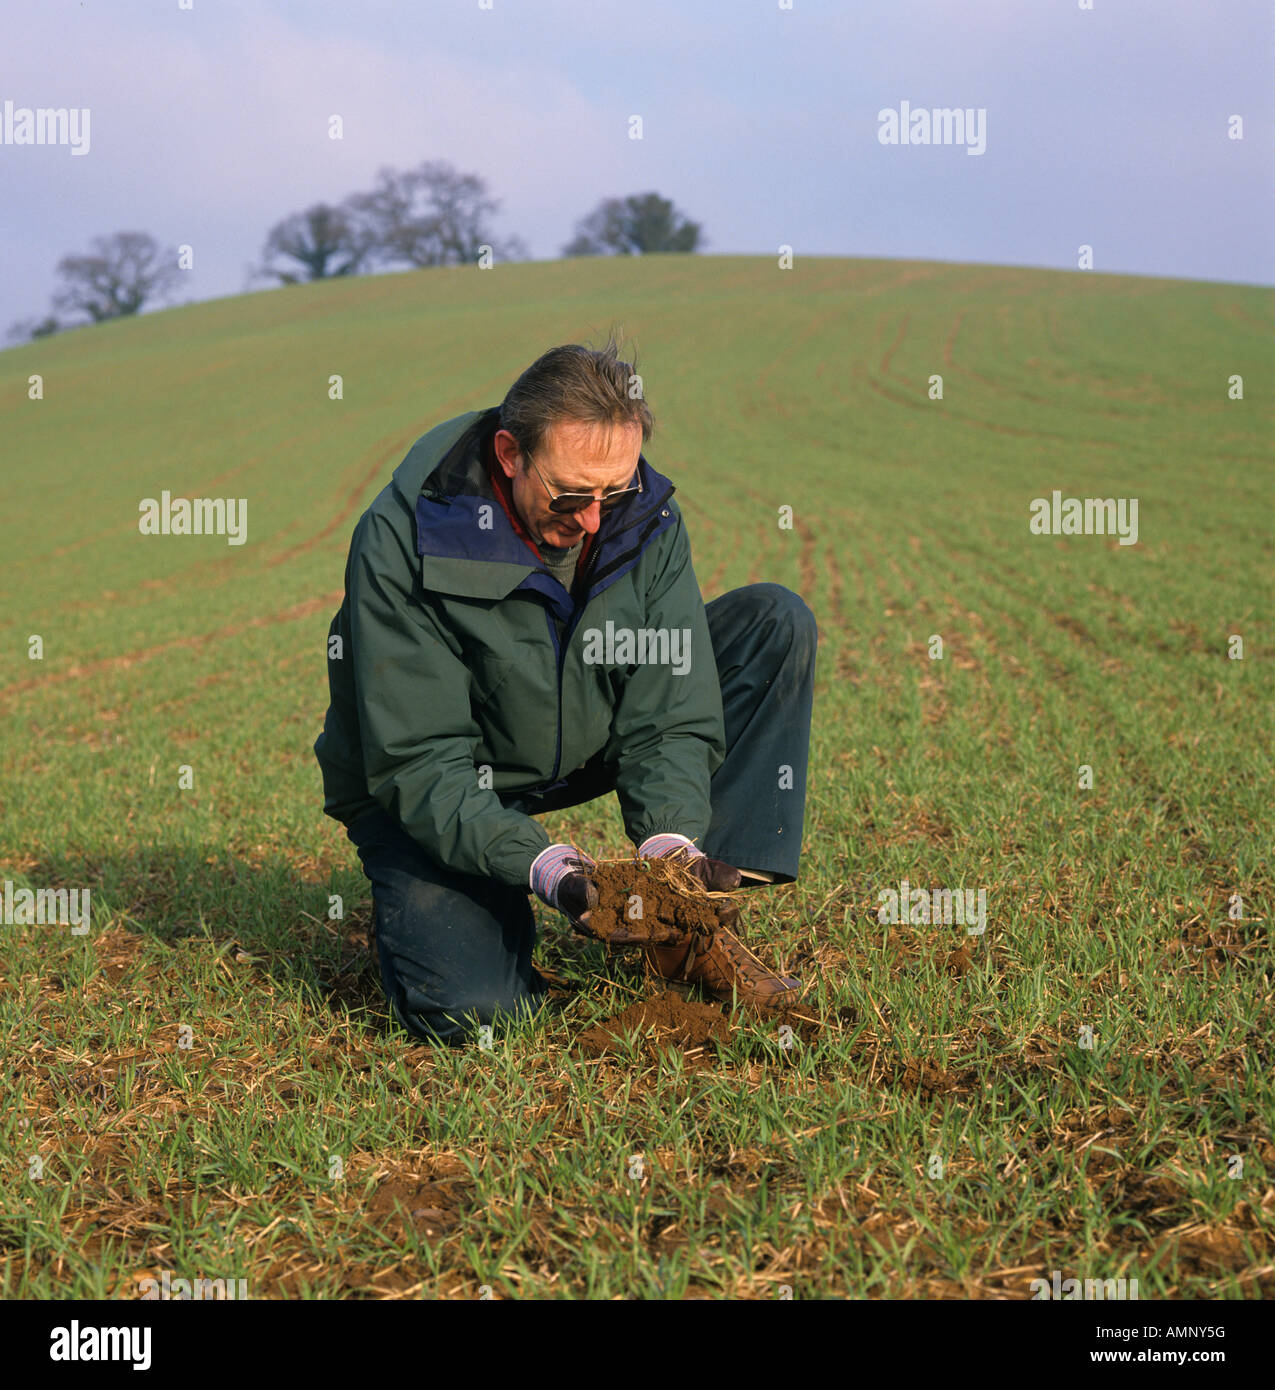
716,875
560,879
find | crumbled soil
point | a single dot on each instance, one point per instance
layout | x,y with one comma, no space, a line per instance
669,1022
628,886
429,1204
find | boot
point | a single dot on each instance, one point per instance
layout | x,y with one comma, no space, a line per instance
722,965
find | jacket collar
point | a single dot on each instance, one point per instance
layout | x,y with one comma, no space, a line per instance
469,537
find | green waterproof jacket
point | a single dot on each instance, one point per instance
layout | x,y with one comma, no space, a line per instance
461,672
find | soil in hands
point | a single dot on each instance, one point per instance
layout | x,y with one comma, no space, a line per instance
654,887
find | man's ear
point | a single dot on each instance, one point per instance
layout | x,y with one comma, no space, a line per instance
506,452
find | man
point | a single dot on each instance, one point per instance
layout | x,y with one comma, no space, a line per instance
522,631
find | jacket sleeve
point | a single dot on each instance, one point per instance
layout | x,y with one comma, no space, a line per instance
419,735
667,732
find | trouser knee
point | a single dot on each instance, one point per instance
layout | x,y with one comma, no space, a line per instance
463,1020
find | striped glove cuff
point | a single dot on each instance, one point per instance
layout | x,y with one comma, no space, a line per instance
658,846
551,866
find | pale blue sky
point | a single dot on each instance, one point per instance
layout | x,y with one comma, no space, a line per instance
1106,127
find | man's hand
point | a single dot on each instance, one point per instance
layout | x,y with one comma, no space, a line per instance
716,875
577,897
560,879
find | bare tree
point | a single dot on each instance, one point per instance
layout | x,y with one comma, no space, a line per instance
324,241
427,216
124,271
641,224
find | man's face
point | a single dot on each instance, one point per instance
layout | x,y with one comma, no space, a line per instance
572,458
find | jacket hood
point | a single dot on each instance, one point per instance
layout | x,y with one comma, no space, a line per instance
466,542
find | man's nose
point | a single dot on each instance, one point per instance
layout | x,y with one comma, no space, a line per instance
591,517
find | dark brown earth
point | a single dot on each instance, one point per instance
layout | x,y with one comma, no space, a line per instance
669,1022
629,885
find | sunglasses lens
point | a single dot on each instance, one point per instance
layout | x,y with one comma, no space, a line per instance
567,502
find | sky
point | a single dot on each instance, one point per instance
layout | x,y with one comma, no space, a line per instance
1108,126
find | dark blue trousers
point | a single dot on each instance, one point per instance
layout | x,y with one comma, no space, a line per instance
455,950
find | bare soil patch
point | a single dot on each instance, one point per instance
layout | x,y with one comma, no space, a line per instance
668,1021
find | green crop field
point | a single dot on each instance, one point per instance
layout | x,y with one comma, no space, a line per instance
207,1081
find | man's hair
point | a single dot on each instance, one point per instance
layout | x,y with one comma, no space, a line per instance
585,385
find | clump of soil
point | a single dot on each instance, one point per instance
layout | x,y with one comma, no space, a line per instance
656,889
960,961
669,1021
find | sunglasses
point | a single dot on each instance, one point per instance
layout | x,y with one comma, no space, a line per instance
567,502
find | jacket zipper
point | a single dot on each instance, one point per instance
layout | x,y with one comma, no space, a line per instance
561,644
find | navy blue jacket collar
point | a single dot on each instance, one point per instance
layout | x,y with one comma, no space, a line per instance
468,546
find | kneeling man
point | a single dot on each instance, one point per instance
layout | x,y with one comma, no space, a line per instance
522,631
